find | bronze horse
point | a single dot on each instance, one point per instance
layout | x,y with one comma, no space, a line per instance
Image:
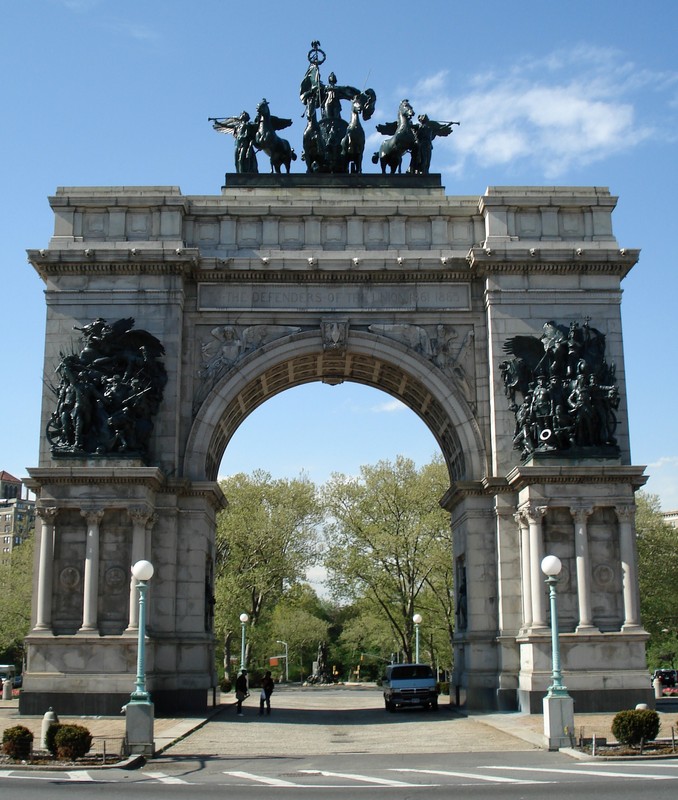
353,143
402,139
278,150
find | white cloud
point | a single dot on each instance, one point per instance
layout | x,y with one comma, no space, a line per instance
664,481
389,407
568,110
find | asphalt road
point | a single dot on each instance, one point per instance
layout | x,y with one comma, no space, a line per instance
497,775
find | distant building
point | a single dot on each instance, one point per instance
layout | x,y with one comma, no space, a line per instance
17,514
10,487
670,517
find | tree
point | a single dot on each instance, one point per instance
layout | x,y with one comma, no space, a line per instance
16,579
298,620
658,580
390,541
265,541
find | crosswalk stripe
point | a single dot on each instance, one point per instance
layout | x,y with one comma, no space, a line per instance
634,764
163,778
599,772
473,775
260,779
353,777
79,775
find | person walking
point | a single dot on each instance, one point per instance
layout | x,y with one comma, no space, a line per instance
241,691
267,686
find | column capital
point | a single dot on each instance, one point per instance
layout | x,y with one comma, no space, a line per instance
534,512
581,513
92,515
625,513
141,515
47,513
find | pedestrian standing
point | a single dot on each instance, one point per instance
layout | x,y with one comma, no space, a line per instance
241,691
267,686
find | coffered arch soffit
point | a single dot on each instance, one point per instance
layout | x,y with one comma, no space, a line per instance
368,359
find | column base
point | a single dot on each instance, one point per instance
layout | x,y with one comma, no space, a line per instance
87,631
632,627
588,628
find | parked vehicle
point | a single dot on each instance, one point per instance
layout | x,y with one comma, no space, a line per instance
7,673
410,685
668,677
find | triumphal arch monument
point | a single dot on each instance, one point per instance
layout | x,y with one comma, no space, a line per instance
495,318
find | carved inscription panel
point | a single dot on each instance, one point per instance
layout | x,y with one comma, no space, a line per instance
319,297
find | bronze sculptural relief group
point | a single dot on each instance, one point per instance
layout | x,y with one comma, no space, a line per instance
562,392
332,144
108,393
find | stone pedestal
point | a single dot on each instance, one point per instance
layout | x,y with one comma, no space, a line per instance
558,721
139,729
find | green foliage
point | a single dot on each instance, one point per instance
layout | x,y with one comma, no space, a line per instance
658,580
266,540
298,622
632,727
16,579
72,742
17,742
390,543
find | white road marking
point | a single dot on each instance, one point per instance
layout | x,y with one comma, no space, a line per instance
602,773
353,777
473,775
261,779
163,778
79,775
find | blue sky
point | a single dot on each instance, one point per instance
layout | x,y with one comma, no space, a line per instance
117,92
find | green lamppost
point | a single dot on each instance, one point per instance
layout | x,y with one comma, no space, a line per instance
243,622
558,705
417,622
139,709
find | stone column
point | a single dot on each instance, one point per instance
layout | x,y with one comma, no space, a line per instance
627,550
43,616
583,562
534,516
525,575
140,518
90,603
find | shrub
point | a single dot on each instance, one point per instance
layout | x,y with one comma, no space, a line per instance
72,741
632,727
225,685
17,742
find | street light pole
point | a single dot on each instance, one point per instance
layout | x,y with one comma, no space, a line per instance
287,660
417,618
139,709
558,705
243,622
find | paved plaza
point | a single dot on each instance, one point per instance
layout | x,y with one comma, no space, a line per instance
327,720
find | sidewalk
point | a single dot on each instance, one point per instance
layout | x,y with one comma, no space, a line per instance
107,732
321,720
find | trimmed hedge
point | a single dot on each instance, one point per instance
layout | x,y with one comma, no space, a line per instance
17,742
72,742
636,726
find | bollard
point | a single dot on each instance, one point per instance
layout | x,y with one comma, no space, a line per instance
658,688
49,719
7,690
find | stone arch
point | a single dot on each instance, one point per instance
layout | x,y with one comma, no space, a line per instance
369,359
